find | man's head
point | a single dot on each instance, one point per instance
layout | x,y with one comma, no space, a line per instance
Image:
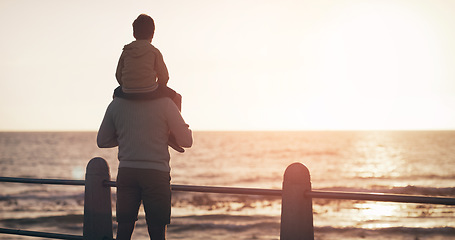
143,27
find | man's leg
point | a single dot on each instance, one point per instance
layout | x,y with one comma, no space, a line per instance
128,202
157,232
156,195
125,230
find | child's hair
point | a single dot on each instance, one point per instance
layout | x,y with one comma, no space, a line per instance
143,27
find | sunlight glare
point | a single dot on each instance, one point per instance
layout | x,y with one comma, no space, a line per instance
377,211
379,58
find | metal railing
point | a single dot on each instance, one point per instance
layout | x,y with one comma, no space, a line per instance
296,198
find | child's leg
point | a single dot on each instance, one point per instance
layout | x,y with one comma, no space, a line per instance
165,91
178,101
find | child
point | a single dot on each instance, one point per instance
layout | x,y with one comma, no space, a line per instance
141,71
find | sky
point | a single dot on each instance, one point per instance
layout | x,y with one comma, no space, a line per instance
239,64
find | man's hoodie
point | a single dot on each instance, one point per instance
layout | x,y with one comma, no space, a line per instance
140,66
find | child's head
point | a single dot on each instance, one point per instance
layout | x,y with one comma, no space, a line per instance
143,27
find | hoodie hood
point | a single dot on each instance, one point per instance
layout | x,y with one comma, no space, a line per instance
138,48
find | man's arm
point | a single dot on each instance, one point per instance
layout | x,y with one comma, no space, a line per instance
178,127
107,137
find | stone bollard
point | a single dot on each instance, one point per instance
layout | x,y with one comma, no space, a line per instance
296,209
97,201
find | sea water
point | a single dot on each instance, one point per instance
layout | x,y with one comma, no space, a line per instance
398,162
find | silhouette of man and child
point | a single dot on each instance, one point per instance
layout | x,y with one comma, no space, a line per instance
143,119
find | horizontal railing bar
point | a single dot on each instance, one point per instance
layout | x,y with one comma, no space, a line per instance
40,234
268,192
110,184
211,189
228,190
316,194
42,181
380,197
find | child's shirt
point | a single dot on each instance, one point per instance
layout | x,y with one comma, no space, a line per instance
141,67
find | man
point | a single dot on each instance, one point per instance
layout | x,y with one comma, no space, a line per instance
140,129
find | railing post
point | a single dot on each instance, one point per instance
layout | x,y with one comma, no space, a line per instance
296,209
97,201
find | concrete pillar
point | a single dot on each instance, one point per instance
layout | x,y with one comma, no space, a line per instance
296,209
97,201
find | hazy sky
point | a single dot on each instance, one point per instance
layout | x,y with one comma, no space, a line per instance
239,64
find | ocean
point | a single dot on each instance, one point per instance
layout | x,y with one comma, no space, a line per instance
398,162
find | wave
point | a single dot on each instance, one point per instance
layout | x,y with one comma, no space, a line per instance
39,196
223,222
444,231
68,221
410,190
419,176
230,223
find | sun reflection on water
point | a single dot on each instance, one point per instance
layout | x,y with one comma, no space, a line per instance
374,213
379,158
78,172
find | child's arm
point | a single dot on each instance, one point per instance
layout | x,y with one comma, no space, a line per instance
161,70
118,72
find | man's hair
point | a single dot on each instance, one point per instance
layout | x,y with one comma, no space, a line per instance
143,27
